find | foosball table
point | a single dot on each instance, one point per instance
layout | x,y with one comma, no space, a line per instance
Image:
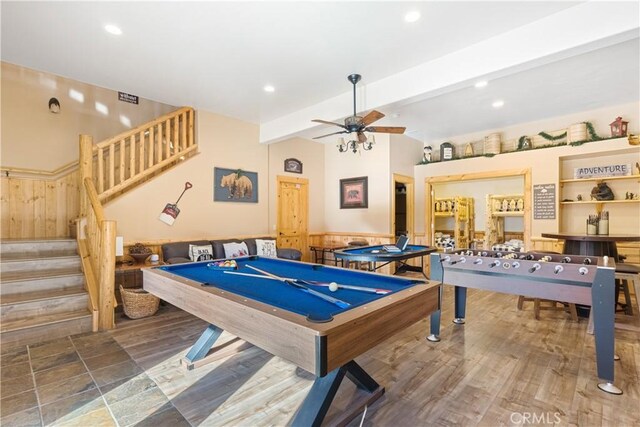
586,280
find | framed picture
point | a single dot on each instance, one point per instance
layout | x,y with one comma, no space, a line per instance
293,166
235,185
354,193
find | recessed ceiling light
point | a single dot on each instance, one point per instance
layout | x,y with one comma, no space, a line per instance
497,104
412,16
269,88
112,29
481,84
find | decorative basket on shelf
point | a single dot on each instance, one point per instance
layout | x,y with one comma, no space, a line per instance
138,303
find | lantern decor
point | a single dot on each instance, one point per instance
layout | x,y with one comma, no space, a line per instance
618,127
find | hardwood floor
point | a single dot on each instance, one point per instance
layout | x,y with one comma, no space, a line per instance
501,368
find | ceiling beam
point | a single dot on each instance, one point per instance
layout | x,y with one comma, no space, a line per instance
570,32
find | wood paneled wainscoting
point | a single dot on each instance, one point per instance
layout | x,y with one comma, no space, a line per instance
39,204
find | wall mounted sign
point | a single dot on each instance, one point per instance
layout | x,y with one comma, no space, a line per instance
235,185
293,166
126,97
447,151
602,171
544,201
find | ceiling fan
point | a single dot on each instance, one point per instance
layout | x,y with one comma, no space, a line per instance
357,124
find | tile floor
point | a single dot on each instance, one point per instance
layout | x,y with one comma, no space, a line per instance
82,380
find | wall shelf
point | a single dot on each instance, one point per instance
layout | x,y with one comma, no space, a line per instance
604,178
591,202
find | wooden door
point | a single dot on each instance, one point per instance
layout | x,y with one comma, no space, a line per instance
293,213
409,204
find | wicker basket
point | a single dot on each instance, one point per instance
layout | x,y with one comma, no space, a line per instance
138,303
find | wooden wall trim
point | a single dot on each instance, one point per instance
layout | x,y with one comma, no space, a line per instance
15,172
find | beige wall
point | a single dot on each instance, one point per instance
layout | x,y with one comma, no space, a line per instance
34,138
223,142
311,154
375,165
406,152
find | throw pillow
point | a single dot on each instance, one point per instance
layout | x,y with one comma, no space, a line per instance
266,248
200,253
235,250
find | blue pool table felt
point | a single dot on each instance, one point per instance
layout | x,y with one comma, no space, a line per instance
287,297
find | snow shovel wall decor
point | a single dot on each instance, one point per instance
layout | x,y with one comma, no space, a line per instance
171,211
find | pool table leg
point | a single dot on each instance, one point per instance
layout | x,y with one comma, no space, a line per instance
204,344
460,294
316,404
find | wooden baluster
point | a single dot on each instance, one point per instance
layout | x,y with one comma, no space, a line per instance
107,275
183,131
190,132
141,156
165,141
151,144
112,167
167,138
123,144
176,134
132,154
100,170
86,169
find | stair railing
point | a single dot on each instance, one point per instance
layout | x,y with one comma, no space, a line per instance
133,156
96,243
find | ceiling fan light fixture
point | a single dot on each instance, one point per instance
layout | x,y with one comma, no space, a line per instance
412,16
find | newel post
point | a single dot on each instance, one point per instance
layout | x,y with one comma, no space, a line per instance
107,264
86,169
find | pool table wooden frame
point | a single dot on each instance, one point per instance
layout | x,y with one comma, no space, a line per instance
316,347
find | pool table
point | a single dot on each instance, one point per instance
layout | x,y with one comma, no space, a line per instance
289,319
377,254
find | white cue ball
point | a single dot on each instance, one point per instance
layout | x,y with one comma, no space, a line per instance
333,286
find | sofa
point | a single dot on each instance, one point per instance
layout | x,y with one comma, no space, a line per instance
178,252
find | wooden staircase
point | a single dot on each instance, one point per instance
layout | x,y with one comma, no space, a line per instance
42,291
47,290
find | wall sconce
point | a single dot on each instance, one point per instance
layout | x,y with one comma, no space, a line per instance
54,106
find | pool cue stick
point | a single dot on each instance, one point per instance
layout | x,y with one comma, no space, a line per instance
379,291
336,301
257,276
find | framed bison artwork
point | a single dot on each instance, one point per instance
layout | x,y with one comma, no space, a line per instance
354,193
235,185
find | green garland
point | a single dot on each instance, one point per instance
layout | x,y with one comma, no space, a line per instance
592,132
552,138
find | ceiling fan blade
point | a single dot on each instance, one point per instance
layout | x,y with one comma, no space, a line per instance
385,129
371,117
329,134
362,137
329,123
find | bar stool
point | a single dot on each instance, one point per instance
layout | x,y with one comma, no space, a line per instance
624,274
360,265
